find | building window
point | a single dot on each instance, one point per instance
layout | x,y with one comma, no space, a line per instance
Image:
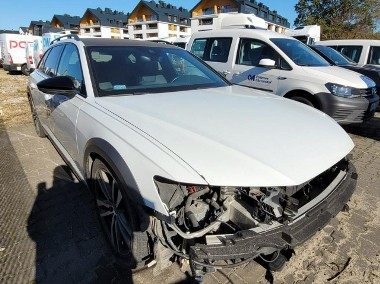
209,11
204,22
170,18
175,18
97,29
263,14
138,28
152,26
183,29
139,36
152,35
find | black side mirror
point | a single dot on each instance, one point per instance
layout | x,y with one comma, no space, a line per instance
60,85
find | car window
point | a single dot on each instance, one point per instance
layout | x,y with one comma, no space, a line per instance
142,69
334,56
70,66
251,51
50,65
299,53
41,64
374,55
212,49
351,51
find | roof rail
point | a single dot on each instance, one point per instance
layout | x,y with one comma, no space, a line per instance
74,36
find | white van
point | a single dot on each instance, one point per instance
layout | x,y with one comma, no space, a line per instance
30,63
362,51
37,51
307,34
282,65
14,51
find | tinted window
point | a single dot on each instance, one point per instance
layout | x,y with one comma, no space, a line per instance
70,65
138,70
50,66
353,52
374,55
41,64
251,51
299,53
212,49
334,56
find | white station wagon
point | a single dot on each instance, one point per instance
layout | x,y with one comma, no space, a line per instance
183,164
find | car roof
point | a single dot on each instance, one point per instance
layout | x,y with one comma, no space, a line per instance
257,33
349,42
117,42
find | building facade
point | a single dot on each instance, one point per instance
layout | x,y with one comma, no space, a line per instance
204,14
151,20
104,23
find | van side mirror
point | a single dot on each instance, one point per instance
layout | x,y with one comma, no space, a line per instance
269,63
60,85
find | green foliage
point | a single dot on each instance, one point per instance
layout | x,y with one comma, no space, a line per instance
340,19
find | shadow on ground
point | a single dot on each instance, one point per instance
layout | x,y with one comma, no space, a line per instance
369,129
70,247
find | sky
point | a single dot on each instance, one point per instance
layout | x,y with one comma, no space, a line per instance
27,10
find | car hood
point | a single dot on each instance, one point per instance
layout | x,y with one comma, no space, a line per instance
236,136
339,75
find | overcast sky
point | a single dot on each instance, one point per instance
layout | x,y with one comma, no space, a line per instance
20,15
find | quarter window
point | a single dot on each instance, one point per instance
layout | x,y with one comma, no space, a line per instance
50,65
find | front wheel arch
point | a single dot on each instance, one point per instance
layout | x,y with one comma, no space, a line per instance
298,95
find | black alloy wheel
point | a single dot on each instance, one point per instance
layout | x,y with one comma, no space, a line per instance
36,121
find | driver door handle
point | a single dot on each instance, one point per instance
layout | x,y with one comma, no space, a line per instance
281,78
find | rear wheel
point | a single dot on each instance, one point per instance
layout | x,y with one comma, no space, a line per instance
118,217
25,70
304,101
37,124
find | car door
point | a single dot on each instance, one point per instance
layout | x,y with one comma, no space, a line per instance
46,69
247,70
64,109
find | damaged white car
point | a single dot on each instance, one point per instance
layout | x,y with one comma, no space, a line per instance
184,165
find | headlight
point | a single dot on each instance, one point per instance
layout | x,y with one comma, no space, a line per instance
343,91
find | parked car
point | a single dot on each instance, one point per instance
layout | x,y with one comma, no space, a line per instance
336,58
282,65
183,164
361,51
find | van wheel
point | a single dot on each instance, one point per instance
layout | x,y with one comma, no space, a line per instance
24,70
118,217
304,101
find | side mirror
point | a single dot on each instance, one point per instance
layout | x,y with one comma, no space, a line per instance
60,85
269,63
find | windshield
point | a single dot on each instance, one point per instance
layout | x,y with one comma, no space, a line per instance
335,56
137,70
299,53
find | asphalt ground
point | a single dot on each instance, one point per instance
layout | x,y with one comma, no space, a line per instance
49,231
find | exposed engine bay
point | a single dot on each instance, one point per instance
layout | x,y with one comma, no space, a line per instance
213,215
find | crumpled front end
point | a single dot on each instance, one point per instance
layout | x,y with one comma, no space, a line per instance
237,224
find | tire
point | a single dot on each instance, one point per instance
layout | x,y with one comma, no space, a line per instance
36,121
118,217
304,101
24,70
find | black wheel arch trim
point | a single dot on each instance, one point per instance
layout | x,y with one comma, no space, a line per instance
108,153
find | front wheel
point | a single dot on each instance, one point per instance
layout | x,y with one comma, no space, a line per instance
24,70
36,121
118,217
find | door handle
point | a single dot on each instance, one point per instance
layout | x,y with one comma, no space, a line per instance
281,78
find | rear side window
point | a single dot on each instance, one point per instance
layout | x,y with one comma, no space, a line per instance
212,49
351,51
374,55
51,62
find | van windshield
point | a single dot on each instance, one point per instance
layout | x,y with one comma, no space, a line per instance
299,53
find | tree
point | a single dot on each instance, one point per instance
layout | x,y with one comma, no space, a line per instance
340,18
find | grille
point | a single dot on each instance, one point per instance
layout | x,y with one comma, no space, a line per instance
368,92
